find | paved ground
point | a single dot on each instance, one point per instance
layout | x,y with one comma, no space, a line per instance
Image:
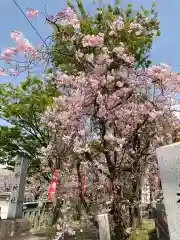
27,236
30,236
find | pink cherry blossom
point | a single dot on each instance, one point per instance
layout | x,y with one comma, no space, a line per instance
16,35
31,12
118,24
88,90
8,53
23,45
2,73
119,51
153,115
13,72
93,40
60,13
69,17
137,27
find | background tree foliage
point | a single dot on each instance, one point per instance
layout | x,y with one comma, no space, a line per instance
21,107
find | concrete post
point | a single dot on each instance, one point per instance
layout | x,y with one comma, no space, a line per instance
18,188
104,232
169,165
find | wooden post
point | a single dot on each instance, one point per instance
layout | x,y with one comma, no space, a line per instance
17,195
36,219
104,232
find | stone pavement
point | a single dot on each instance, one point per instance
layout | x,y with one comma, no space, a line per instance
27,236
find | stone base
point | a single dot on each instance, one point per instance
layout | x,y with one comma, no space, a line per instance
13,227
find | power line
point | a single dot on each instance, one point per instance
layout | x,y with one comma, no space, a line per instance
20,9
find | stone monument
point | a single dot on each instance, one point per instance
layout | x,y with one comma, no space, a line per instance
104,232
169,165
18,188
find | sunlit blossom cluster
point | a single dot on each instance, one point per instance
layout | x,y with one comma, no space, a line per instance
31,12
118,24
93,41
68,17
22,46
112,96
110,90
137,27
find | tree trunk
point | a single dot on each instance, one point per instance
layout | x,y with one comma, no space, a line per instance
119,222
135,200
136,218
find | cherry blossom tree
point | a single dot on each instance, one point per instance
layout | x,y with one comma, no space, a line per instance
111,118
129,113
115,108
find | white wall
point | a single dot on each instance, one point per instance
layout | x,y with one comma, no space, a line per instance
4,208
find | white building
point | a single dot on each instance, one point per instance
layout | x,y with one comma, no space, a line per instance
6,178
4,204
5,188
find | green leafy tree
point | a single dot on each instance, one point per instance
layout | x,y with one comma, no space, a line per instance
21,107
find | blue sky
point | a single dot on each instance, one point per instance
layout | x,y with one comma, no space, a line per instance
165,49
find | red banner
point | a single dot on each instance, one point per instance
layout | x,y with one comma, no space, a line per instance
83,185
53,184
